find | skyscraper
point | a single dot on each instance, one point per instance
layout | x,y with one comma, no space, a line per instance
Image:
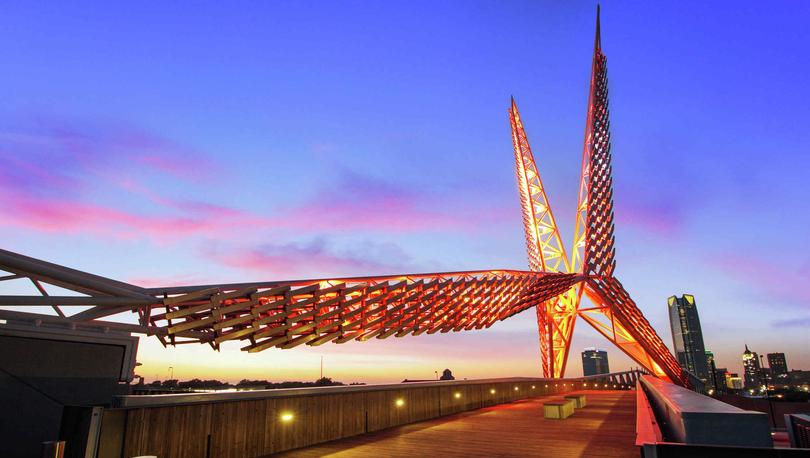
778,364
687,338
734,381
753,375
721,377
594,362
711,382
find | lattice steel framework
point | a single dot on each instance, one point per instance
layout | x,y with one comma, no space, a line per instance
613,314
288,313
285,314
546,252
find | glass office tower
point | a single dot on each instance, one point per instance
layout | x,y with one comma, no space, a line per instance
687,338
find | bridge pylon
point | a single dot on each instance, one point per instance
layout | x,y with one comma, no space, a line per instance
612,312
555,317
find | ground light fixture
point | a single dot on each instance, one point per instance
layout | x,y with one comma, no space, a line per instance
457,395
286,417
399,402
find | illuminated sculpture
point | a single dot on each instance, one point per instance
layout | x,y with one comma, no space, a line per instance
313,312
614,313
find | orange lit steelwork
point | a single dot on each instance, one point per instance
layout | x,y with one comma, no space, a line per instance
285,314
614,313
314,312
555,317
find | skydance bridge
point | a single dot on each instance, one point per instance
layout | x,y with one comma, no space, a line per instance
286,314
60,378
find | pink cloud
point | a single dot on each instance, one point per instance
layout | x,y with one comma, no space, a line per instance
772,279
358,202
660,210
378,209
54,215
374,214
660,218
803,322
188,167
169,280
52,174
289,260
69,148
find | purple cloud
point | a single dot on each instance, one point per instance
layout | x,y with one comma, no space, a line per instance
302,259
772,279
359,202
51,173
794,323
652,210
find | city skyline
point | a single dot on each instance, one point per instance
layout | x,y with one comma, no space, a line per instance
82,154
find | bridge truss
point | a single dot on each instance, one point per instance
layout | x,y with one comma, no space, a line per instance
285,314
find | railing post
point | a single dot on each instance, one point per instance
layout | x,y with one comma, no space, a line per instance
53,449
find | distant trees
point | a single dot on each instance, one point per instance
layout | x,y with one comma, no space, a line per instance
198,384
251,383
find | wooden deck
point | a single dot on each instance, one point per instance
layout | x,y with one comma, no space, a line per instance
605,428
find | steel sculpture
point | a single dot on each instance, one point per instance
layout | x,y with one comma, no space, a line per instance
285,314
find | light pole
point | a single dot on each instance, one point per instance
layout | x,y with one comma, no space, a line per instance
767,392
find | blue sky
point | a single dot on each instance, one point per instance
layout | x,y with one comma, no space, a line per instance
193,143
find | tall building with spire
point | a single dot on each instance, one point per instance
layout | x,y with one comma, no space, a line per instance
753,373
687,337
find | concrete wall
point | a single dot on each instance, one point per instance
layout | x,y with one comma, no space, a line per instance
692,418
40,375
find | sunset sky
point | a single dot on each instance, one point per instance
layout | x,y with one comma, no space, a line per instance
161,144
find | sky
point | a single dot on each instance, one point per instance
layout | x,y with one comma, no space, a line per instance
165,143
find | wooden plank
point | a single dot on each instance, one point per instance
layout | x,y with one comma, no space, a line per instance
185,311
192,324
606,428
190,296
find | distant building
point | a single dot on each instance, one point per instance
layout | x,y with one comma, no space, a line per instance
753,374
734,381
778,364
799,379
447,375
711,382
720,375
687,337
765,374
594,362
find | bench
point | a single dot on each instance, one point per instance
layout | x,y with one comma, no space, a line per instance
579,400
558,410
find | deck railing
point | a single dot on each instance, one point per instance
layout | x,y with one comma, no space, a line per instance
262,422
